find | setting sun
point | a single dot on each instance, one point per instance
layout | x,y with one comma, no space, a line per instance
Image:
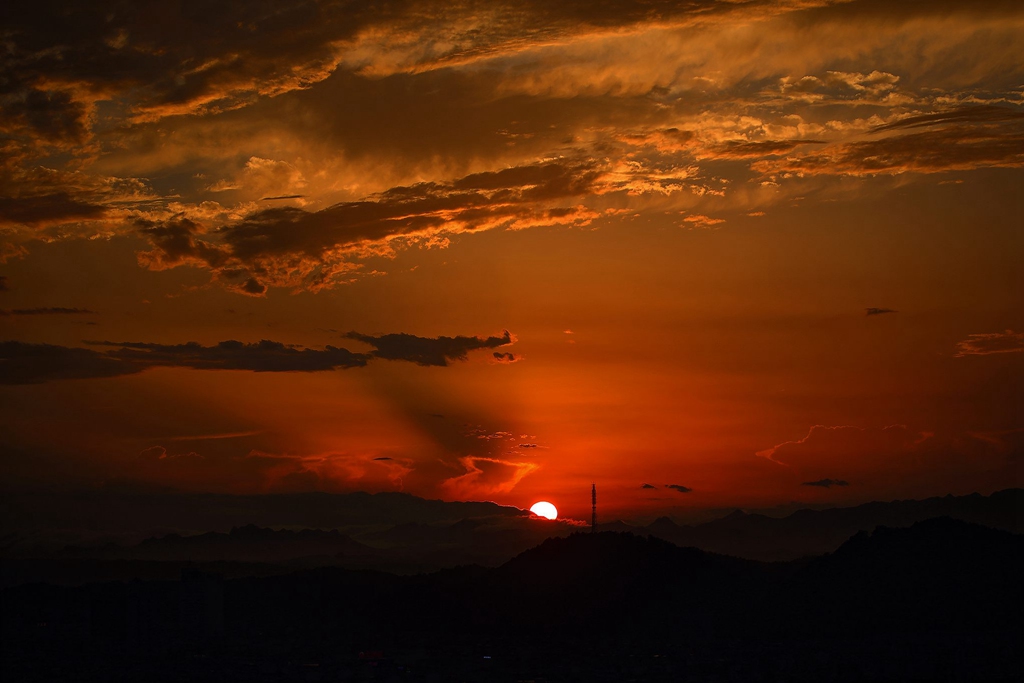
545,509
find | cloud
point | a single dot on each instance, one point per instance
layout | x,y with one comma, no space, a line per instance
506,358
487,476
262,356
879,311
567,113
453,37
160,61
52,310
899,460
289,246
980,114
701,221
679,487
22,363
989,343
175,243
160,453
52,116
427,351
826,483
528,445
329,471
262,176
26,363
3,283
971,141
213,437
838,86
58,207
839,442
767,148
648,486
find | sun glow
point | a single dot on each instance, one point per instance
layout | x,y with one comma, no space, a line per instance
544,509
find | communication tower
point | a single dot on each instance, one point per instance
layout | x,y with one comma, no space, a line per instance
593,508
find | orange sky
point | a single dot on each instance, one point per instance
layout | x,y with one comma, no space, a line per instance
764,253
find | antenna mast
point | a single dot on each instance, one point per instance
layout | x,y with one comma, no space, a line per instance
593,508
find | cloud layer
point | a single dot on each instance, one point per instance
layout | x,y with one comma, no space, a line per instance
25,363
309,138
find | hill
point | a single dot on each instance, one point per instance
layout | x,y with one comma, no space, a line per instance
937,600
813,532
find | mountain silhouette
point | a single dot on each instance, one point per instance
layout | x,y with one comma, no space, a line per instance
249,543
813,532
384,532
936,600
938,574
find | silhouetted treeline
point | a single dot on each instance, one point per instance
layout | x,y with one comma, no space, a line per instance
937,601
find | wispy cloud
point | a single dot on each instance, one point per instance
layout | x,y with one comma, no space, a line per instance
487,476
826,483
52,310
985,344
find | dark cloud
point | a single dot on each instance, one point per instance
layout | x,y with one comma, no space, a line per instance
290,246
679,487
3,283
983,114
156,60
528,445
879,311
172,59
988,343
384,458
284,196
254,287
969,142
174,243
160,453
427,351
22,363
826,483
53,310
52,116
49,208
648,486
767,148
506,358
262,356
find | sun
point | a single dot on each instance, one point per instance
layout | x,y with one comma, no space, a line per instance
544,509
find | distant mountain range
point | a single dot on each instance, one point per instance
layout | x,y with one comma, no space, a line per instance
398,533
814,532
113,512
939,600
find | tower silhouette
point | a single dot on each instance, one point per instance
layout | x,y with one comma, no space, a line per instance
593,508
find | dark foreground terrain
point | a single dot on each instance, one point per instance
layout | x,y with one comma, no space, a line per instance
940,600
